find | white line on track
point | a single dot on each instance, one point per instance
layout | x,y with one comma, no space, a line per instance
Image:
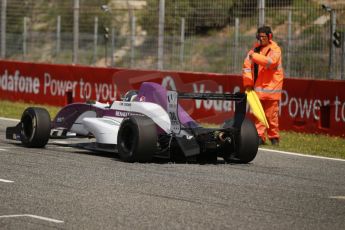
8,119
3,149
35,217
61,142
6,181
302,155
338,197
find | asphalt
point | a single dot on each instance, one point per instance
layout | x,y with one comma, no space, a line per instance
60,187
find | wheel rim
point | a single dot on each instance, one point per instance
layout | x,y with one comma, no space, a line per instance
128,139
28,126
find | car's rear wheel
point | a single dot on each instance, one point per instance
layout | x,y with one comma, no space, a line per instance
35,127
246,144
137,139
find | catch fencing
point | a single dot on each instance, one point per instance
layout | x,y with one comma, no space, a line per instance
182,35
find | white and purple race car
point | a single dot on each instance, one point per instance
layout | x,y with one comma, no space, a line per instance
146,124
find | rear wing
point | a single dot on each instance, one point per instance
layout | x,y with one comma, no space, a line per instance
213,96
173,97
239,98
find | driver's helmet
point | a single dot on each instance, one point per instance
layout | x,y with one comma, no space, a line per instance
131,95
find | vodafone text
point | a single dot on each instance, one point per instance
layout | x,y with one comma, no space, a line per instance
18,83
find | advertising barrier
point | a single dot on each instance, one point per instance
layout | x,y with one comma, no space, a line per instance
311,106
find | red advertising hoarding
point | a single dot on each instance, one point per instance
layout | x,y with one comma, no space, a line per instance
312,106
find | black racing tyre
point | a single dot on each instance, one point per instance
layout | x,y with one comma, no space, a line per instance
246,143
137,139
35,127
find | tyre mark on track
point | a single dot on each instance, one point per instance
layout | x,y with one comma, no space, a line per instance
171,198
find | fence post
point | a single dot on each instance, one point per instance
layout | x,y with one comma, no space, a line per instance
75,31
58,34
112,46
182,41
236,43
331,46
261,6
342,76
161,34
106,38
3,28
25,36
289,44
95,40
133,20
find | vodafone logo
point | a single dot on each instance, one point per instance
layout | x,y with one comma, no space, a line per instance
169,83
16,82
217,105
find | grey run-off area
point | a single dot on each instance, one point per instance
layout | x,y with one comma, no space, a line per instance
69,188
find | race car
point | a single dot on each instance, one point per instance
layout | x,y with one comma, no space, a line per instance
145,124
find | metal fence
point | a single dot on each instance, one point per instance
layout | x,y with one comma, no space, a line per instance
183,35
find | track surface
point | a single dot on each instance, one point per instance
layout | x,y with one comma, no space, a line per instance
60,187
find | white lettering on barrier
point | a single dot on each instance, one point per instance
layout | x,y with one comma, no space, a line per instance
169,83
316,108
305,108
217,105
81,87
18,83
58,87
105,91
283,101
293,114
88,90
27,84
337,103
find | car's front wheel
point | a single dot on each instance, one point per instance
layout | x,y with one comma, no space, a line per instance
35,127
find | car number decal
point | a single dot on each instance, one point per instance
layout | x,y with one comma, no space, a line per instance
173,111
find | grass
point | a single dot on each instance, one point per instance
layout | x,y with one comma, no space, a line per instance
14,110
311,144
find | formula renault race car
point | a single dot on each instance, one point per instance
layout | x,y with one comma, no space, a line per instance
146,124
